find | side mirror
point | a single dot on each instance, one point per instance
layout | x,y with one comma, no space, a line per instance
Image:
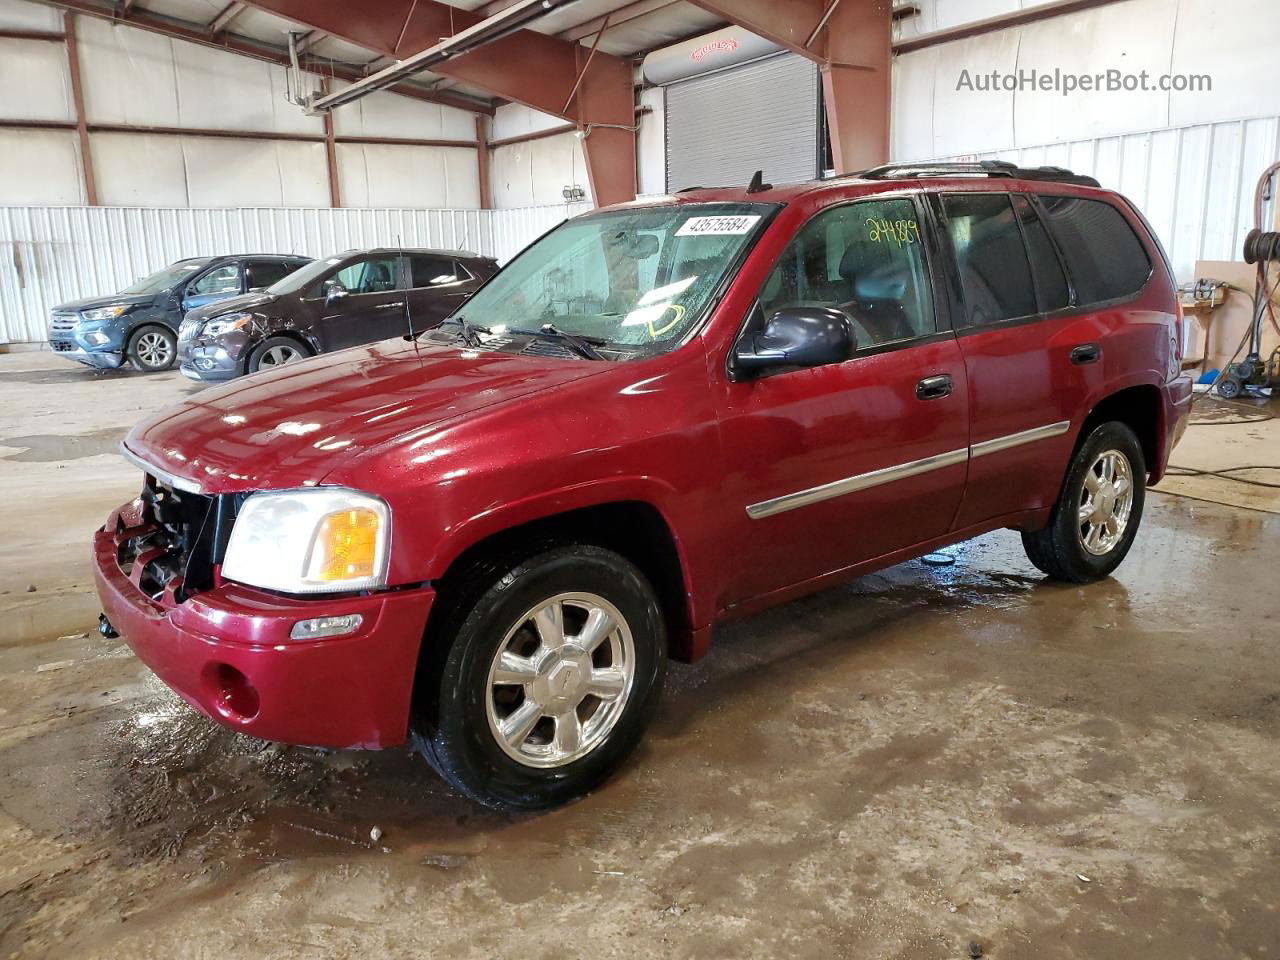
333,290
798,337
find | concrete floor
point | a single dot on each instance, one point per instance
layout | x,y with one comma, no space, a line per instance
895,768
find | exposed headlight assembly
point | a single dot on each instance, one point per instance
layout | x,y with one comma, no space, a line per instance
225,324
316,540
103,313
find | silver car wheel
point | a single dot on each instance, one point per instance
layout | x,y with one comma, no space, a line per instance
1106,500
154,349
279,355
560,680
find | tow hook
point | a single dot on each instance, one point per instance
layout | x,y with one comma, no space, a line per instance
105,628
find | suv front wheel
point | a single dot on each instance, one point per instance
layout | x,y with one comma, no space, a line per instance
1097,514
553,674
152,349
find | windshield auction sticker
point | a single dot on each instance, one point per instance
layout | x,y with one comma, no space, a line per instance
717,226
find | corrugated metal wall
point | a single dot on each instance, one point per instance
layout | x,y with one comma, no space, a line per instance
49,255
1195,184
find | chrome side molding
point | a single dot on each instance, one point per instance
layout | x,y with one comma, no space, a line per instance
912,468
863,481
1018,439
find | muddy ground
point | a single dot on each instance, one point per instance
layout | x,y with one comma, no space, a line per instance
928,758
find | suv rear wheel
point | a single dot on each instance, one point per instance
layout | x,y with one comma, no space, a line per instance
152,349
1098,512
552,676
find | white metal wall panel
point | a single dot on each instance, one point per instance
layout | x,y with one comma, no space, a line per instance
133,170
774,107
20,15
49,255
1195,184
515,120
378,175
1235,42
40,166
36,81
258,173
128,75
389,115
1232,41
536,172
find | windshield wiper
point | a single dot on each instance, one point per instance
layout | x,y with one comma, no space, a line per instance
583,346
470,332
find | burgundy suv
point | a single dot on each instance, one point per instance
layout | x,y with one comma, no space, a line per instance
660,416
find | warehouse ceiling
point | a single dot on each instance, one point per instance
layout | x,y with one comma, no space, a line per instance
632,28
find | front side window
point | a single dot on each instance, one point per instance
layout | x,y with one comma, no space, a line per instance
376,275
994,270
865,259
427,271
1106,259
217,283
636,278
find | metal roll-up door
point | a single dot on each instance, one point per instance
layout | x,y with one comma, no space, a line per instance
724,126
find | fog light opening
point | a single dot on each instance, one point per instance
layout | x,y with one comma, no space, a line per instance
321,627
234,696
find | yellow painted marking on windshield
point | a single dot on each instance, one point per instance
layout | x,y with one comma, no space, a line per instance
677,313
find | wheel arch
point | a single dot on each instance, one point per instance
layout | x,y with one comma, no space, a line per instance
636,529
1140,407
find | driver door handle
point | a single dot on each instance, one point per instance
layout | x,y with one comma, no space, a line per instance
389,306
934,388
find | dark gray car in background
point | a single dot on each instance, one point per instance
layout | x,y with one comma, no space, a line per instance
356,297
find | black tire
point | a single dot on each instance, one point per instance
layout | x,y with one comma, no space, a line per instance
452,722
276,352
152,348
1059,549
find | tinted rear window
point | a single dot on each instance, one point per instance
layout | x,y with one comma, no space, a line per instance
1104,256
993,263
1051,282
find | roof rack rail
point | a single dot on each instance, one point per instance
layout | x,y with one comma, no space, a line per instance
980,168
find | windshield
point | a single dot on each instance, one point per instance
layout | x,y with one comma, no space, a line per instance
303,277
636,278
167,278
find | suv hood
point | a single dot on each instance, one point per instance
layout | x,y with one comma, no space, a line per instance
245,301
292,427
88,303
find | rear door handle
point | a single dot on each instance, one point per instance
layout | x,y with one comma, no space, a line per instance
934,388
1086,353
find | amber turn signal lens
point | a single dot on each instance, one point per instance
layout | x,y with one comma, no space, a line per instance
346,546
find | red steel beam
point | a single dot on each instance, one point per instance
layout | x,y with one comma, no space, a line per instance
49,35
229,134
526,67
851,42
482,163
331,155
77,96
233,43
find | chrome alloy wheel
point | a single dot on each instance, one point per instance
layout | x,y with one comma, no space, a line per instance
279,355
1105,502
560,680
154,349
